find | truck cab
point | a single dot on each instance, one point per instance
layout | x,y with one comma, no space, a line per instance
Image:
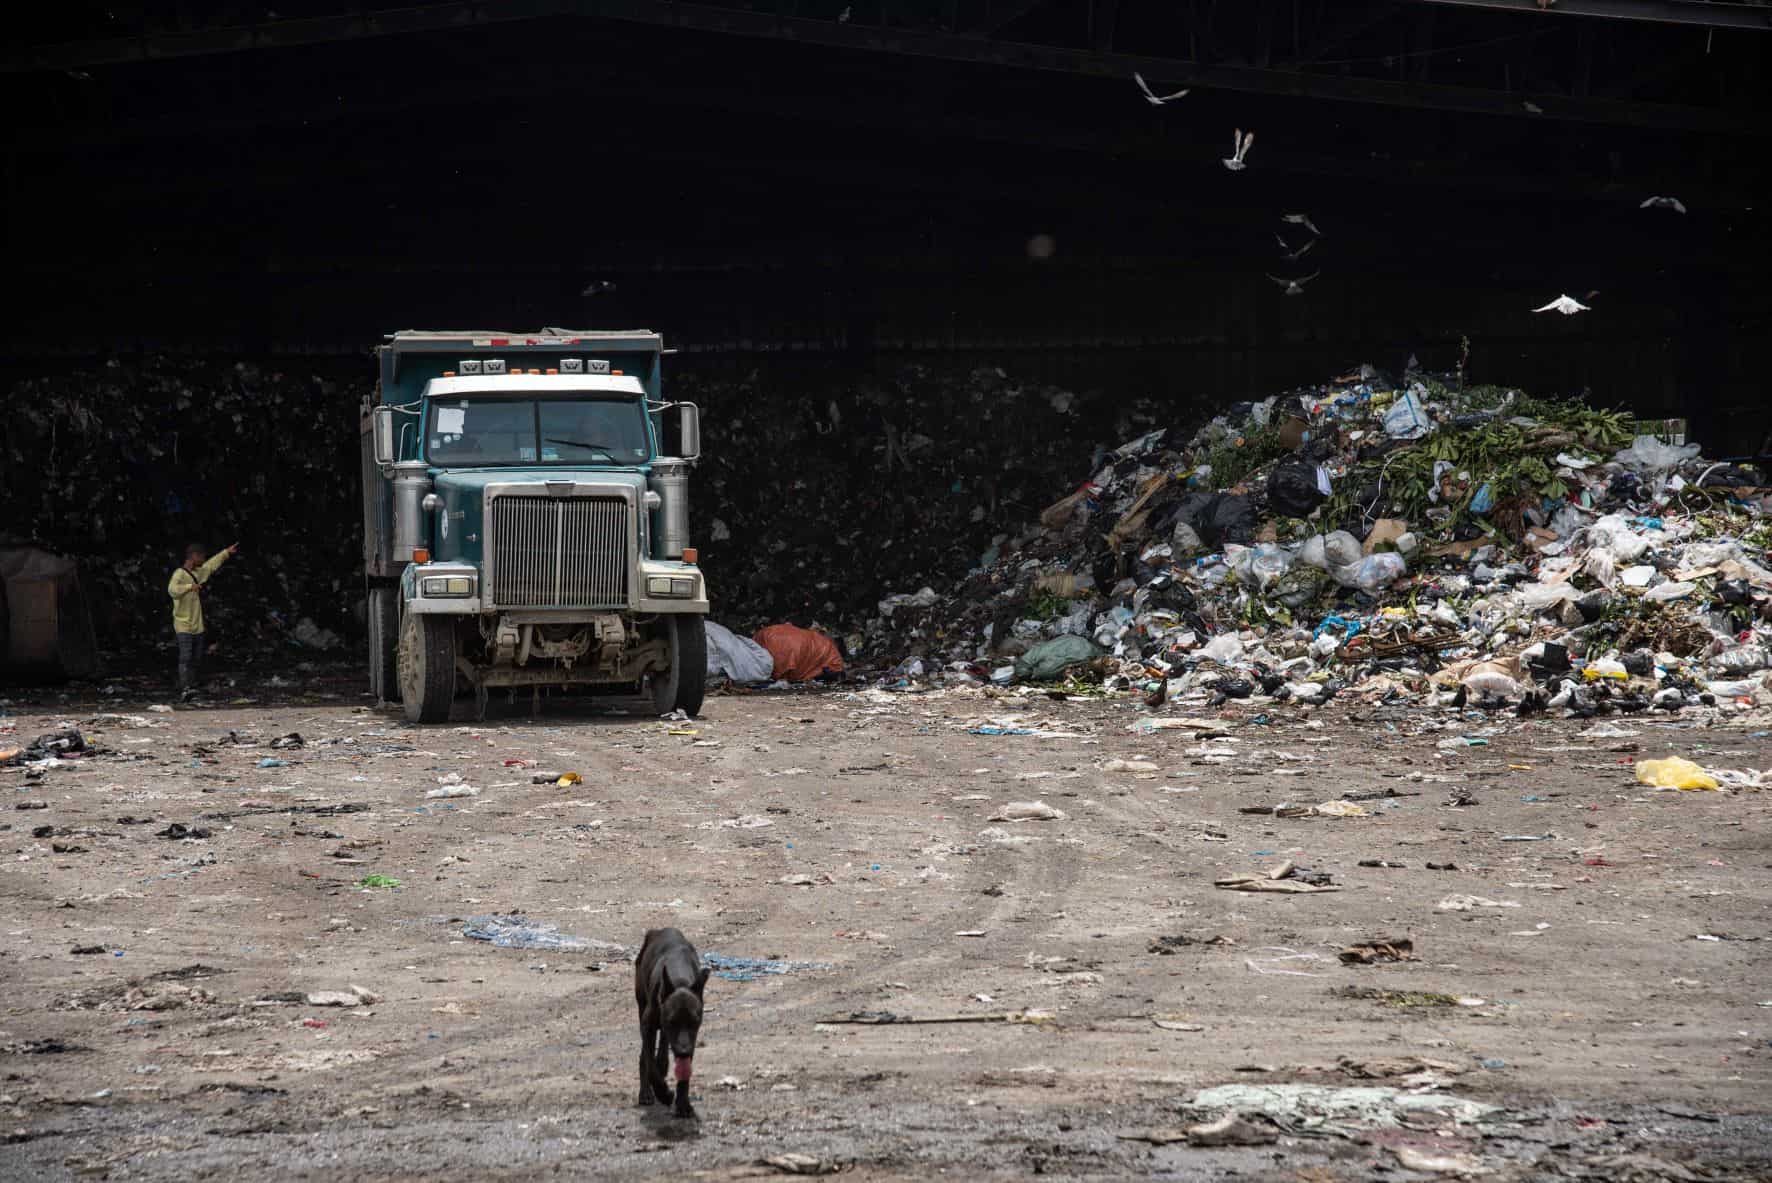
524,525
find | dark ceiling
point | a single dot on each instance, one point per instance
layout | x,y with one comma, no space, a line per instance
802,174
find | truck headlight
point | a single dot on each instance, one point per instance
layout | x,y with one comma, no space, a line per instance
669,586
447,585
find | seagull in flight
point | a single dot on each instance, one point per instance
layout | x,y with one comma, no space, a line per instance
1291,255
1239,148
1673,203
1567,305
1153,98
1302,220
1295,287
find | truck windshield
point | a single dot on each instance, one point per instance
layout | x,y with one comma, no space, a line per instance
492,430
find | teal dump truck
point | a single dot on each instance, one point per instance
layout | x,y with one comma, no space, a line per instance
523,524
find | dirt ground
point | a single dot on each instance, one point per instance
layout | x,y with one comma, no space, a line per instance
156,1023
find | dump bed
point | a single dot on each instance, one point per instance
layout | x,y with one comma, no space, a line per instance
415,356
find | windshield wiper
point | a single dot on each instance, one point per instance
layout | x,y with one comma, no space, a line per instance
603,448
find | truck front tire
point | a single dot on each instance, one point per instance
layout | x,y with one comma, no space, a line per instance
427,667
683,686
384,644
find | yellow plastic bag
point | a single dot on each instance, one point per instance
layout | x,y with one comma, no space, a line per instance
1674,773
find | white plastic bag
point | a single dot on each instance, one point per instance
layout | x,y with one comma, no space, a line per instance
1326,552
1614,533
1373,572
1342,548
1538,596
1672,590
1311,553
1225,648
1405,419
1647,452
1260,564
738,658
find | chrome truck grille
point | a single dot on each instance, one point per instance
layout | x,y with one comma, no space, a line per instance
559,552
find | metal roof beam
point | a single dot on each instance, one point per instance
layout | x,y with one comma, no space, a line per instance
1704,13
922,43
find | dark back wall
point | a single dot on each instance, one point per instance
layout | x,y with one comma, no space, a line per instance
825,214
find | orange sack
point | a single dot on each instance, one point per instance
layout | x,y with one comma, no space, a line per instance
800,654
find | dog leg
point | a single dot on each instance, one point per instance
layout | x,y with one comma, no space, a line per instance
660,1064
683,1108
648,1040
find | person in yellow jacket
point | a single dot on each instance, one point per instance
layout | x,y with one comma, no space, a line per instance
186,589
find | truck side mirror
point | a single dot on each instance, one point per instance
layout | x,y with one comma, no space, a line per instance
691,426
382,421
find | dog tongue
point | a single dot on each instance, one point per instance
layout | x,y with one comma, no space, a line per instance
682,1067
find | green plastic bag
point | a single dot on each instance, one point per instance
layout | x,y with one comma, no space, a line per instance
1048,660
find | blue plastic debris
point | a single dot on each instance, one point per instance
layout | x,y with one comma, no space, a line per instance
521,932
991,729
748,969
271,762
1350,627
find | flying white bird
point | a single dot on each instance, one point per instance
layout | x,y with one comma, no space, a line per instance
1532,107
843,17
1672,203
1295,287
1151,97
1239,148
1567,305
1302,220
1293,255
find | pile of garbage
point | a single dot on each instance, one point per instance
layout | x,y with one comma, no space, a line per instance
1406,538
811,504
120,465
811,498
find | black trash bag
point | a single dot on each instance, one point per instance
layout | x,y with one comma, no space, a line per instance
1553,663
1732,477
1639,663
1626,486
1735,591
1292,489
1107,571
1594,604
1219,517
60,744
1233,520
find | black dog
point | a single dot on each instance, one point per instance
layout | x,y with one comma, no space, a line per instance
668,980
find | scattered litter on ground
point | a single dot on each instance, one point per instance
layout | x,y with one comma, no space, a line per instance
1365,1107
1675,772
1027,811
517,931
747,969
1379,949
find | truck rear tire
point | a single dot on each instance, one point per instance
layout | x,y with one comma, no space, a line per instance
384,644
427,667
683,686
